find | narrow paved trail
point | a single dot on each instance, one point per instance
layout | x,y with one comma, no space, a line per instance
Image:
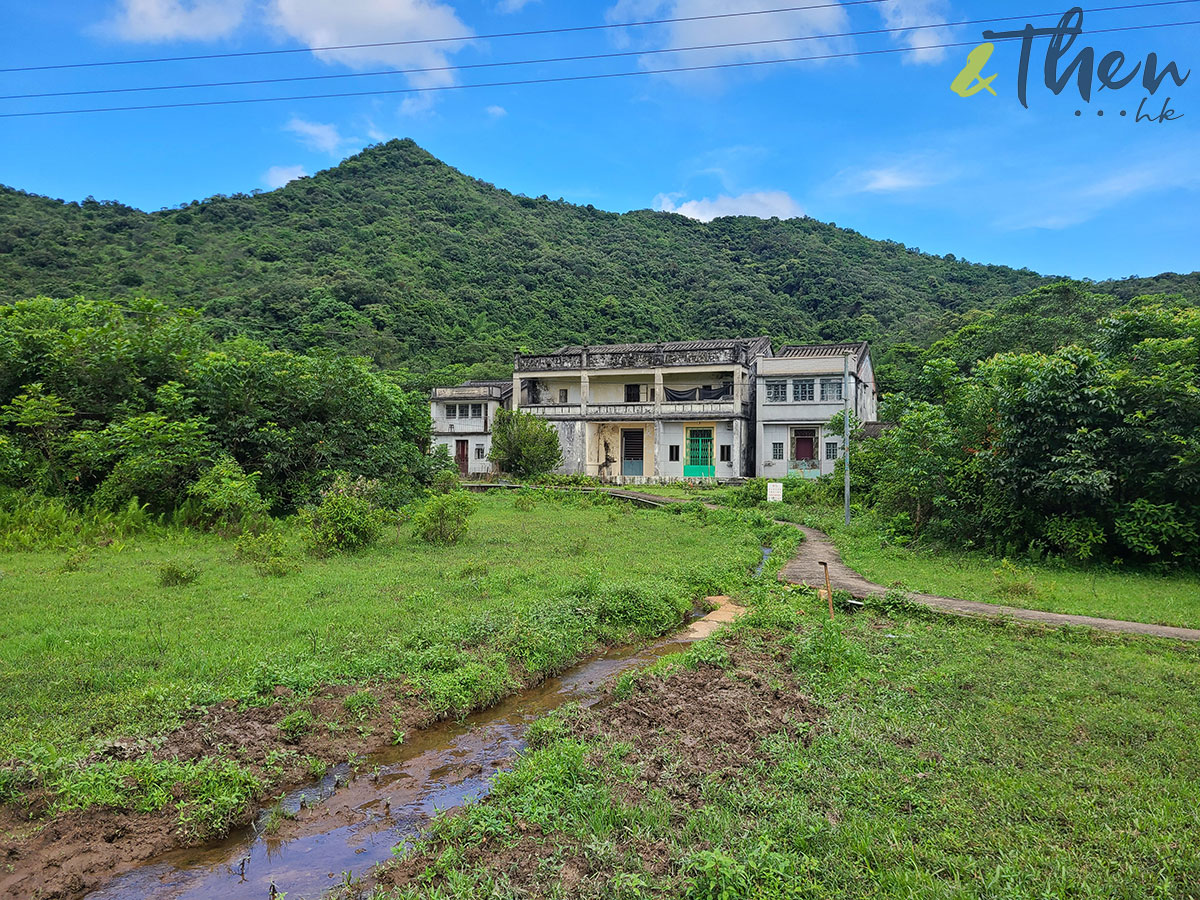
805,568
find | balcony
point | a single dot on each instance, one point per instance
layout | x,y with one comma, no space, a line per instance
692,409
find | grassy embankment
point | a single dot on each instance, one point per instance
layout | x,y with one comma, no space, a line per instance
94,644
948,758
1102,589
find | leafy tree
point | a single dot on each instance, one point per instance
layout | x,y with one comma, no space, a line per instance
523,444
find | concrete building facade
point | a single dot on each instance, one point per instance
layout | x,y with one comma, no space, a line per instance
630,413
462,422
799,390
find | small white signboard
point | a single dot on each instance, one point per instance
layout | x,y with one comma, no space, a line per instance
774,492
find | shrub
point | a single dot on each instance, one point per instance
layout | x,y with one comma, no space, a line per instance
1077,537
175,574
347,518
227,494
443,519
524,445
445,481
524,501
267,551
1155,529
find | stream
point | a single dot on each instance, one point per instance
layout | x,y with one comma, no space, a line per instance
350,822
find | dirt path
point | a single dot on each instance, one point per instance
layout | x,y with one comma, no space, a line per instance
805,568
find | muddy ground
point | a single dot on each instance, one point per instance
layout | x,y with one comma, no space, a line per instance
65,855
689,728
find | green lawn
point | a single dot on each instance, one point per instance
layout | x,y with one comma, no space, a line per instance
92,646
1099,590
953,759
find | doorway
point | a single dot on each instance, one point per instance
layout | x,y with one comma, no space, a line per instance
699,461
460,456
633,442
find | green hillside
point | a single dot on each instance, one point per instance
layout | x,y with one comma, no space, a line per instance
395,255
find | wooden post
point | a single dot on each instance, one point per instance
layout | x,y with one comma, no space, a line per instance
828,589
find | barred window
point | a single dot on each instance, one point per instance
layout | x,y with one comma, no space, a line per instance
831,389
831,449
777,450
802,390
776,391
451,411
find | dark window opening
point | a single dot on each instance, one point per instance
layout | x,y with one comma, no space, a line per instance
726,453
633,393
673,453
562,395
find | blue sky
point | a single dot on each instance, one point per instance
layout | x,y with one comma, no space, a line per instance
877,143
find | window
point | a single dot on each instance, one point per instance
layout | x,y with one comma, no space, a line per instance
476,410
479,451
777,392
633,393
726,453
777,450
562,395
673,453
802,390
451,411
831,449
831,389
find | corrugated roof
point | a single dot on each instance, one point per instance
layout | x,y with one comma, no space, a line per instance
720,344
812,351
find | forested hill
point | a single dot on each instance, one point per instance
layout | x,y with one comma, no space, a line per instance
396,255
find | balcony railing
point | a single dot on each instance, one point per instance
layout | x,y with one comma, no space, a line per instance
694,408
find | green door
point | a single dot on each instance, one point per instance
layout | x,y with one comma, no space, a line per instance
699,462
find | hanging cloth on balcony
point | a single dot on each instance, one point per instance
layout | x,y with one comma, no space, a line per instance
681,396
717,393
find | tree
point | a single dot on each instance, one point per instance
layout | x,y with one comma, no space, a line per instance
524,445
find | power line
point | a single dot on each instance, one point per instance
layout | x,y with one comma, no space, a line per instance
554,80
578,58
442,40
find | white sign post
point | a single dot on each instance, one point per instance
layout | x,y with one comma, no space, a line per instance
774,492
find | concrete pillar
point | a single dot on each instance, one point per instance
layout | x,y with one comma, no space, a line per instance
658,392
516,397
585,392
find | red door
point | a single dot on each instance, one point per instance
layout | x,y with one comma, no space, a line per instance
460,456
804,448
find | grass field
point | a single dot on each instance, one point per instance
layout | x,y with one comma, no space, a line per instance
1096,590
944,758
93,645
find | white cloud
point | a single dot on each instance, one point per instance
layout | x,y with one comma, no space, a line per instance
1064,198
175,20
417,105
512,6
497,112
762,204
891,179
321,23
278,176
830,19
318,136
906,14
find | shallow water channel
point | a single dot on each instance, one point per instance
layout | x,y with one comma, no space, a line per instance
352,822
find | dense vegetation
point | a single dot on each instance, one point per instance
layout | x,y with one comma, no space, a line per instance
396,256
1085,451
101,406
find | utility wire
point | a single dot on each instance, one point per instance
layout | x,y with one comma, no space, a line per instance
555,80
580,58
442,40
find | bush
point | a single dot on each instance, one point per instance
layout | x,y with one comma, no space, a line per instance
297,724
445,481
524,445
347,518
443,518
174,574
267,551
227,494
1076,537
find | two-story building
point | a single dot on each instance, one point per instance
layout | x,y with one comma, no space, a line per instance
639,412
462,421
799,389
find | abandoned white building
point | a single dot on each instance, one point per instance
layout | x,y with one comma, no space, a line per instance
647,412
462,421
799,389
